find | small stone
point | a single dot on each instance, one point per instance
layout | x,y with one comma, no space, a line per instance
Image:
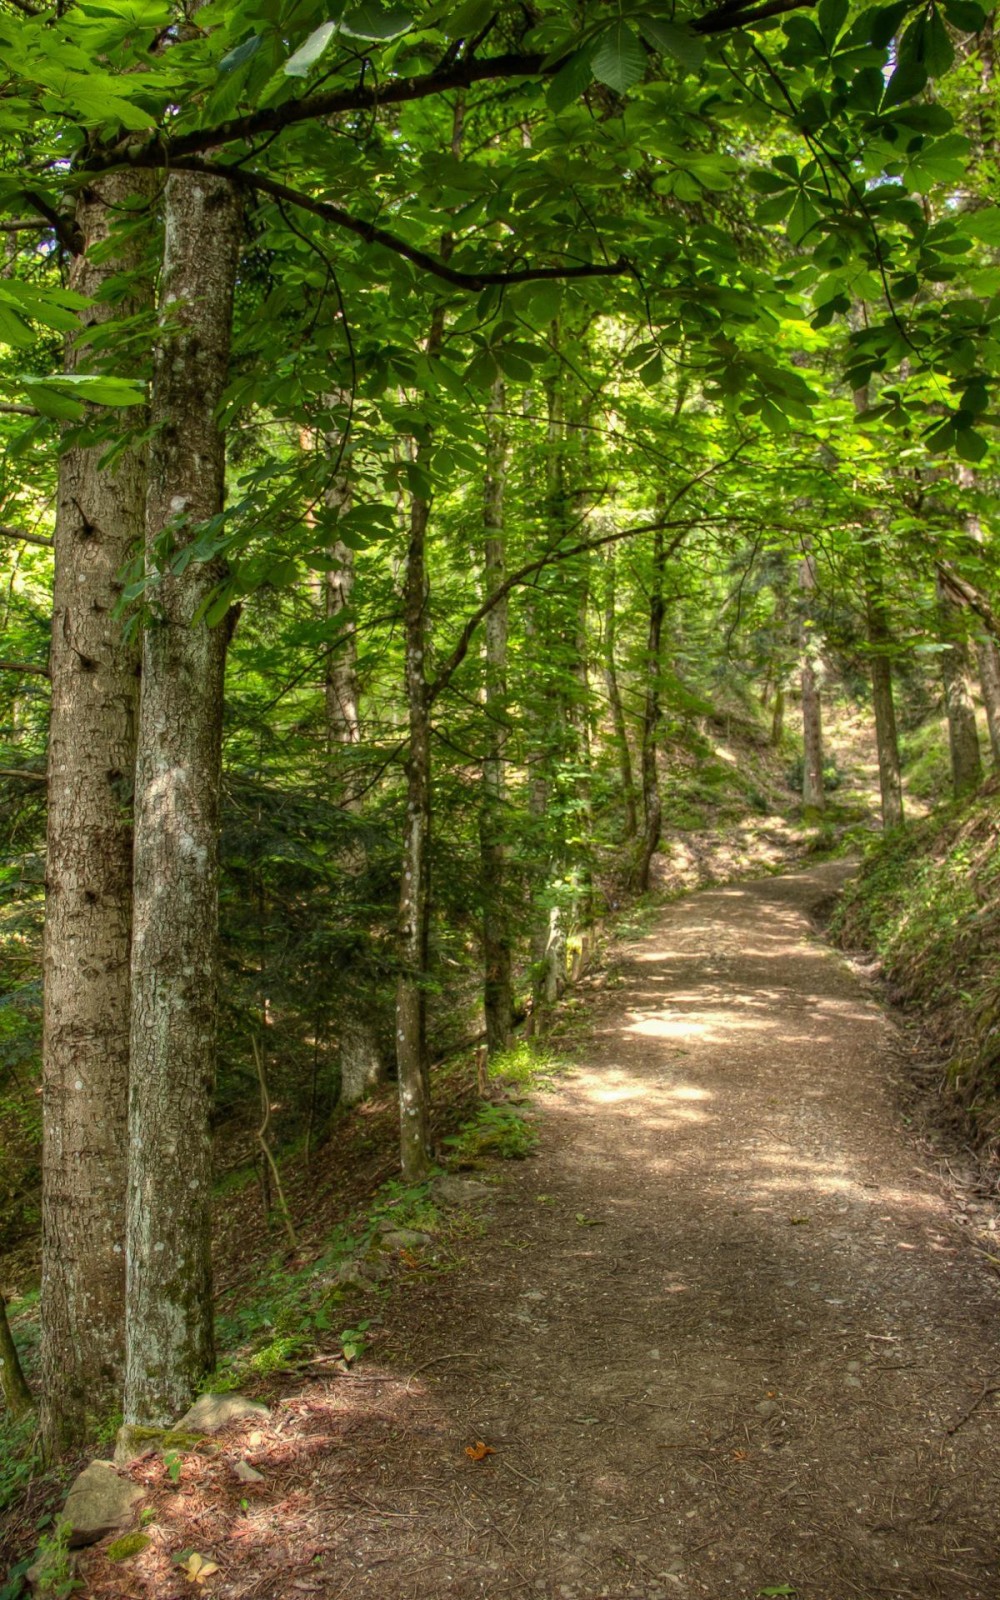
211,1412
404,1239
247,1474
99,1502
460,1191
852,1382
767,1408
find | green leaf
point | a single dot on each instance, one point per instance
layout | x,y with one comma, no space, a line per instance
306,56
372,21
832,15
619,60
243,52
778,1589
570,81
983,225
883,23
907,81
468,18
95,387
685,46
970,445
965,15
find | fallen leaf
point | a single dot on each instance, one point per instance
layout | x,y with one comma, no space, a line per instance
408,1258
587,1222
797,1222
197,1568
479,1451
739,1455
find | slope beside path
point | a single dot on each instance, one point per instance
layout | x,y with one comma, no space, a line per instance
721,1335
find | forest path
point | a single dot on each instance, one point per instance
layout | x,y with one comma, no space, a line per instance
722,1333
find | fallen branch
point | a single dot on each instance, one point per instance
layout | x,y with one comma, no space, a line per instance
23,772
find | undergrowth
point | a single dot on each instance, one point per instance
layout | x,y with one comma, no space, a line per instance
927,903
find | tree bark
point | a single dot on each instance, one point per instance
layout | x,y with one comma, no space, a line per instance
548,934
618,726
963,736
498,993
813,792
169,1336
414,893
652,804
91,768
879,644
13,1385
987,653
988,662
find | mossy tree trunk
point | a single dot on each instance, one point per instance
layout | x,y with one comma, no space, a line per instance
13,1384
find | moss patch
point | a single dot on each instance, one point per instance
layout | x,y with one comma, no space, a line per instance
130,1544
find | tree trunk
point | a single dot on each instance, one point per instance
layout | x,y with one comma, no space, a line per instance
548,934
880,642
414,894
778,718
498,994
91,769
988,661
652,805
343,722
169,1334
987,654
13,1385
813,792
963,737
619,729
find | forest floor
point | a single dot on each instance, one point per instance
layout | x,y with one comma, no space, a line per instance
725,1333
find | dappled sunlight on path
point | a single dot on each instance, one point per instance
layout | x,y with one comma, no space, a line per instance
720,1335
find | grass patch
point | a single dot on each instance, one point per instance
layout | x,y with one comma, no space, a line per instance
503,1131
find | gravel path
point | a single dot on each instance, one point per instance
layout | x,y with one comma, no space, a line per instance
722,1334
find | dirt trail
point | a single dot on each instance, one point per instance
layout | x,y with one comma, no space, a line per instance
722,1334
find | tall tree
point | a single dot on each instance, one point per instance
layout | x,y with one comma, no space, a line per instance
813,793
963,737
95,686
169,1331
498,998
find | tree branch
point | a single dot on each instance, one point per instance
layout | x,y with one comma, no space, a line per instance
371,234
25,666
25,538
19,411
158,151
65,228
966,594
725,18
23,772
550,558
